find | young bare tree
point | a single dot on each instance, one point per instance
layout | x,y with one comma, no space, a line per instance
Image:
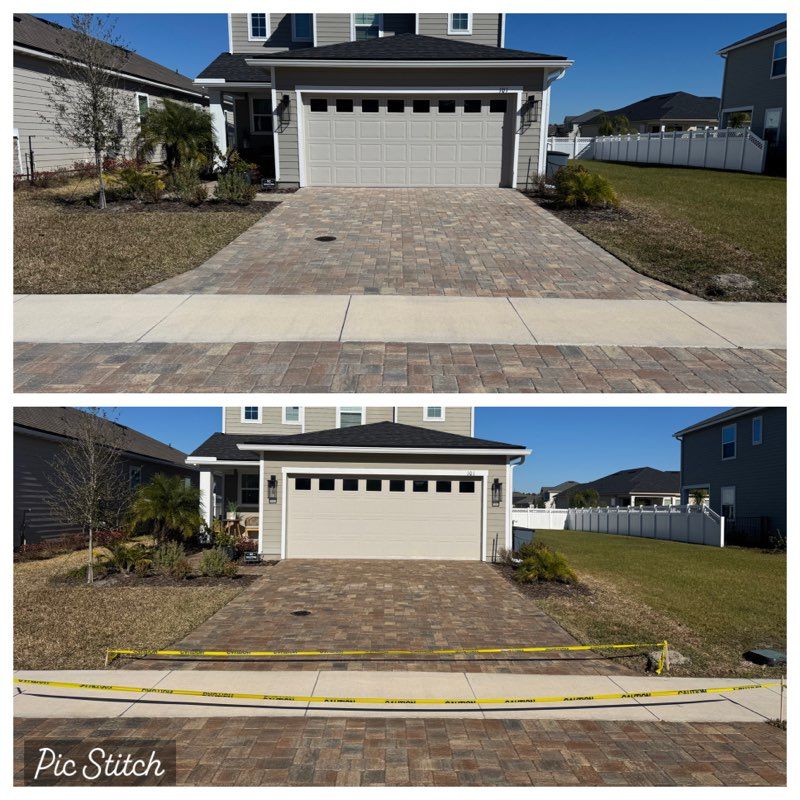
88,486
86,104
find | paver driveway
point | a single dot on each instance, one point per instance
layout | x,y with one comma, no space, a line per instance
461,242
386,604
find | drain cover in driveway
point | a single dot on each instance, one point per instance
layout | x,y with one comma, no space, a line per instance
302,613
326,238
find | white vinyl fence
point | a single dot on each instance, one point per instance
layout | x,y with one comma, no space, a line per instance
574,148
737,149
692,524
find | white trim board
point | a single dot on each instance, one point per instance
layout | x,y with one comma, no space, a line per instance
414,451
294,469
429,65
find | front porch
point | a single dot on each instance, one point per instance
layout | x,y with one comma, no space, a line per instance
229,496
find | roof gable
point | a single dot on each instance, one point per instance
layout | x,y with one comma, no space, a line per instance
407,47
754,37
646,480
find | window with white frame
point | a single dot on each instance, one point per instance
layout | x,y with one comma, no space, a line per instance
134,477
778,59
248,489
758,430
728,502
257,27
251,413
302,27
291,415
729,442
261,115
433,414
772,124
459,23
367,26
142,106
350,416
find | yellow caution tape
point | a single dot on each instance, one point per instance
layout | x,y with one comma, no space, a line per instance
113,653
427,701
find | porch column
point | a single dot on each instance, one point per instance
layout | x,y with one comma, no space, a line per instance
218,126
207,496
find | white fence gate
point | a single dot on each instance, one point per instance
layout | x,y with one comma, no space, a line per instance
573,147
692,524
737,149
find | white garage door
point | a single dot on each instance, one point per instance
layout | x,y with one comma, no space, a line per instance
372,516
408,141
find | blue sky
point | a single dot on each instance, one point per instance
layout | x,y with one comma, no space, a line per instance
568,443
619,58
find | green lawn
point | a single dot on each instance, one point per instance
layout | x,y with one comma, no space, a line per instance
686,225
712,604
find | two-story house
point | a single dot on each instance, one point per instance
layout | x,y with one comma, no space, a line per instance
361,482
738,460
754,86
382,99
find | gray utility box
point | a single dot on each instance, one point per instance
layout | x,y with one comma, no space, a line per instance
520,536
555,161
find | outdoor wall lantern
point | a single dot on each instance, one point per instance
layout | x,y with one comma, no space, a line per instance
497,492
272,489
529,112
283,110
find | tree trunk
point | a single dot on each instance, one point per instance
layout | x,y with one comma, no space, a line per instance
90,570
101,186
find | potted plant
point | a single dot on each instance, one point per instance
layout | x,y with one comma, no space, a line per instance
231,513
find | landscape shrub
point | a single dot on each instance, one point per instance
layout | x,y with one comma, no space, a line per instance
67,544
577,187
115,164
233,187
541,563
215,563
184,182
169,560
79,574
50,179
142,567
124,557
84,169
142,185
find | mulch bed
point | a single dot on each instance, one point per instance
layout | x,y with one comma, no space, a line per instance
578,215
131,580
82,205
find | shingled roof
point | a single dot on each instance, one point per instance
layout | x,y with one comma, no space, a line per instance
407,47
63,422
45,36
724,416
781,26
644,480
225,446
234,69
671,106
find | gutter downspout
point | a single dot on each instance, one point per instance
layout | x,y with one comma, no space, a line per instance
514,462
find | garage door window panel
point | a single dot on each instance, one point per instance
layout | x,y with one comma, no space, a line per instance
447,106
422,106
318,105
302,484
466,487
350,484
327,484
397,486
344,105
395,106
369,105
443,487
420,486
472,106
374,485
498,106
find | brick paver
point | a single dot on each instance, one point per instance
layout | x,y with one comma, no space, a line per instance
384,605
461,242
325,751
393,367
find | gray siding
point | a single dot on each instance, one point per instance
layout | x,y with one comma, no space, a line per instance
456,420
280,35
758,472
332,29
747,82
30,103
485,28
496,467
33,458
530,79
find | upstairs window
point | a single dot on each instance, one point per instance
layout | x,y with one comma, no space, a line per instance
257,27
367,26
251,414
459,24
302,27
433,413
778,60
350,416
728,442
758,430
291,415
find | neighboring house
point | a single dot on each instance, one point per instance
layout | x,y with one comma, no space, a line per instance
361,482
643,486
738,458
382,99
39,434
754,83
571,126
37,45
525,499
674,111
548,494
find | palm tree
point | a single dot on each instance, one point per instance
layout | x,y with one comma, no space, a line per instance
182,131
169,506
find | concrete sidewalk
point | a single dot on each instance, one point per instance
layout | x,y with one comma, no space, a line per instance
203,318
754,705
